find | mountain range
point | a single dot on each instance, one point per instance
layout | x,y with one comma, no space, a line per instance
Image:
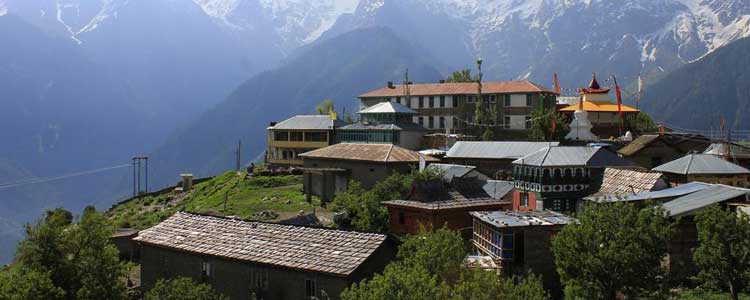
86,84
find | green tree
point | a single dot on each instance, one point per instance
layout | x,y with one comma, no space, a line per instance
430,267
324,107
614,248
27,284
77,257
96,261
182,288
461,76
541,125
644,123
363,207
723,254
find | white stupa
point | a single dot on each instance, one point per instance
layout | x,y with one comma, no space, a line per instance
580,128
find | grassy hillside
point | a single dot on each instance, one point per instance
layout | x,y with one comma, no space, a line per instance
260,198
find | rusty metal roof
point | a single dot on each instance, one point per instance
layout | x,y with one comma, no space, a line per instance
386,153
459,88
322,250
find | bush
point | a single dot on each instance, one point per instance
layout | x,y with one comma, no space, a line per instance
182,288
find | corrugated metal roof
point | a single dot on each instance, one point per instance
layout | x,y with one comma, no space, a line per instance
677,191
313,122
599,106
497,189
459,88
701,164
692,202
366,152
388,126
388,107
573,156
720,149
466,194
522,218
452,171
495,150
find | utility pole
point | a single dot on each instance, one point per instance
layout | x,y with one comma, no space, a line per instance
134,182
238,155
137,166
146,158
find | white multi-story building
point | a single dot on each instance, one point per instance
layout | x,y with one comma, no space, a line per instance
451,107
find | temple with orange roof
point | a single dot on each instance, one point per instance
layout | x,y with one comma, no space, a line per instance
602,112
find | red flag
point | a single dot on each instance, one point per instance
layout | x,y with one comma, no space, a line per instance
619,96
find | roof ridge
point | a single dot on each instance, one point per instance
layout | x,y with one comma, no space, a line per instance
272,223
388,155
690,163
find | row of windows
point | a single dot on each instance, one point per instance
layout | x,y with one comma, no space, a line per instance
441,101
368,136
499,244
522,171
299,136
431,122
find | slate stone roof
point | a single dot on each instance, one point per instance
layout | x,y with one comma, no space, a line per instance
682,142
309,122
622,181
463,194
384,153
560,156
495,150
459,88
304,248
388,107
502,219
701,164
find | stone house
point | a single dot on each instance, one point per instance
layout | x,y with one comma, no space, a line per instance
252,260
651,150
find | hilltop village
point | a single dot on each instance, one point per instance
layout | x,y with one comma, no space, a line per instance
503,166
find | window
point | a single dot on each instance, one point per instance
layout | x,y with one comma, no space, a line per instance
372,170
493,98
432,101
455,122
401,218
442,101
398,99
431,120
316,136
421,101
455,101
420,121
527,122
524,200
281,136
470,99
506,100
310,290
296,136
528,100
442,122
506,122
205,270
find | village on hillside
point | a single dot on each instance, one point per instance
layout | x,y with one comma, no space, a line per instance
511,170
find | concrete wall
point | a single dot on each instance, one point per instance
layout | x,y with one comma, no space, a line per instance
368,173
414,219
411,139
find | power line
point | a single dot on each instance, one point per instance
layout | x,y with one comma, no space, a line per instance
61,177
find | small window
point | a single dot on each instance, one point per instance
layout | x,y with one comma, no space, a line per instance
432,101
281,136
420,120
506,122
470,99
455,101
372,170
527,122
493,98
506,100
421,102
310,290
524,199
401,218
442,122
442,101
206,270
431,121
529,100
398,99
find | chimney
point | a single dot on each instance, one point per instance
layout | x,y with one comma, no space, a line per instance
272,124
390,85
442,80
